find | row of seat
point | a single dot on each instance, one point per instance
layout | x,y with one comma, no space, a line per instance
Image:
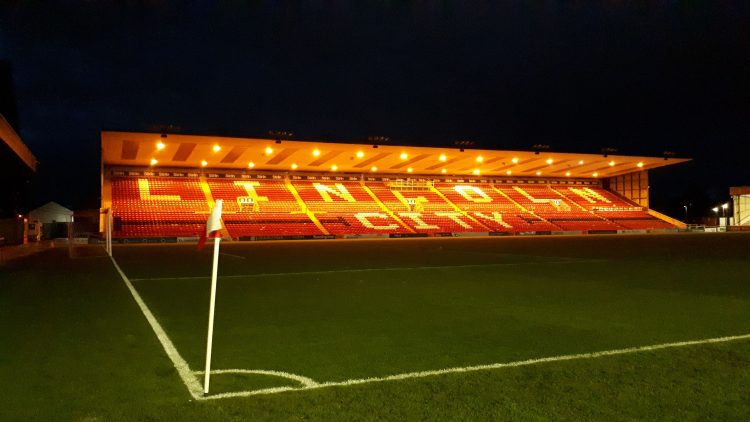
149,206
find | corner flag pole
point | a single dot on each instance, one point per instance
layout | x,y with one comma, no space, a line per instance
213,225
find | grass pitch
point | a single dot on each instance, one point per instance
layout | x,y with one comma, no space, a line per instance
77,347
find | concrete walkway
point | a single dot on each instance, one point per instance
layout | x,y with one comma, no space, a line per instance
11,252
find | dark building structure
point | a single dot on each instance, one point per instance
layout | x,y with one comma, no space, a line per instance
17,168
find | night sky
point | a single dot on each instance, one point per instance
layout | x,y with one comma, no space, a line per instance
638,76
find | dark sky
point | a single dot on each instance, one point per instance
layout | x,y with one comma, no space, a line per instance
639,76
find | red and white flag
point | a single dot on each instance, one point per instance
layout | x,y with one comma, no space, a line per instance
213,224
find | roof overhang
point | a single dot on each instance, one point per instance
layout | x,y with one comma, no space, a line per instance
739,190
186,151
9,137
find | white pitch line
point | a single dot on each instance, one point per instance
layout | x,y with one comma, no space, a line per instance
307,382
423,374
190,381
362,270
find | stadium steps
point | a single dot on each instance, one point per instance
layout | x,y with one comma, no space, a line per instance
303,207
385,208
667,219
522,208
456,207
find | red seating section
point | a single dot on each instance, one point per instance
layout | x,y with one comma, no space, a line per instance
157,207
163,207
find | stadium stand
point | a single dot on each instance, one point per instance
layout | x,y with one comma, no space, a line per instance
159,186
149,206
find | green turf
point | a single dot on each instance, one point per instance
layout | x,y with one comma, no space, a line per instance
77,347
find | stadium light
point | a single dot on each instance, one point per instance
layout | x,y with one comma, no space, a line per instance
216,148
360,154
160,146
443,157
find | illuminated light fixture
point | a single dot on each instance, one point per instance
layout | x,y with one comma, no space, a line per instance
154,161
160,146
204,163
595,174
539,173
725,205
251,164
580,163
715,209
476,172
550,161
334,167
508,172
443,171
480,159
611,163
514,160
316,152
373,168
20,215
360,154
409,170
443,157
404,156
567,173
640,164
216,148
269,150
294,166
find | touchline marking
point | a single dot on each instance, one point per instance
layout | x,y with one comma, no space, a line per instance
190,381
363,270
455,370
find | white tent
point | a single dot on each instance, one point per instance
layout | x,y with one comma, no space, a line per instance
51,212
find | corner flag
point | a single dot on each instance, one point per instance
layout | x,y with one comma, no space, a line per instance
213,224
